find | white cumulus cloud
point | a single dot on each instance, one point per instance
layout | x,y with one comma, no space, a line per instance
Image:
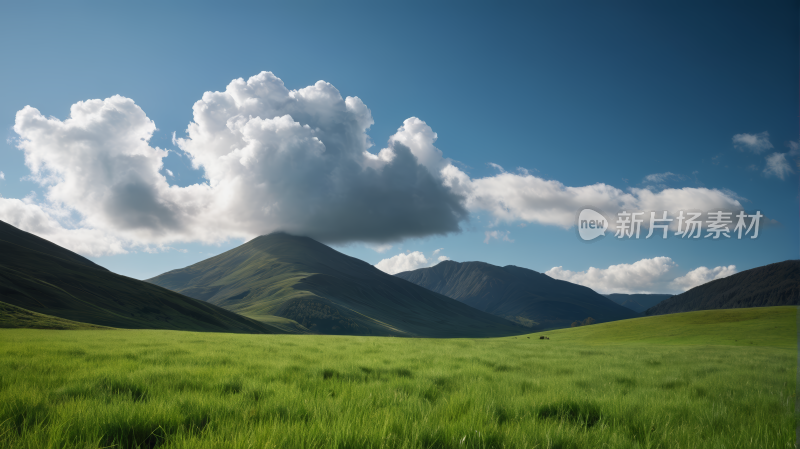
756,143
410,260
403,262
522,197
656,275
274,159
278,159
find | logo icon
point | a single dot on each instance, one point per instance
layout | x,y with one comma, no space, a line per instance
591,224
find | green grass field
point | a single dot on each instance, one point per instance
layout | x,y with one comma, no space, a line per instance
723,380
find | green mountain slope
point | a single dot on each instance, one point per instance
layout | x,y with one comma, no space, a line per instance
328,292
42,277
638,302
17,317
777,284
762,326
517,293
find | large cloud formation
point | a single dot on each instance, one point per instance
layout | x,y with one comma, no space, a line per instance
276,159
522,197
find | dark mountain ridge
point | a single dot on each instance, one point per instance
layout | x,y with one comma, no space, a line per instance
517,293
777,284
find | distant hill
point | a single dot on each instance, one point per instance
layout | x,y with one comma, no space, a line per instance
42,277
638,302
517,293
777,284
326,291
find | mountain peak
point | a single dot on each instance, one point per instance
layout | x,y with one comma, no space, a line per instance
298,278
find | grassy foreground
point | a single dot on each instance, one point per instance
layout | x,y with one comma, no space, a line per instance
134,388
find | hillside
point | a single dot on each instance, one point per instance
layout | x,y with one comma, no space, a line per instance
637,302
17,317
517,293
777,284
29,241
328,292
42,277
763,326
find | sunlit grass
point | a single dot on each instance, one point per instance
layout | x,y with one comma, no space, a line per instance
198,390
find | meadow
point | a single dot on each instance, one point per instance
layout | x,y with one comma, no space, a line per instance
689,381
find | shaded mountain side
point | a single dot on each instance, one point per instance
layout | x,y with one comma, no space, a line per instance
16,317
517,293
326,291
638,302
42,277
29,241
777,284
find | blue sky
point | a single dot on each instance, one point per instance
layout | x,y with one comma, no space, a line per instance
575,92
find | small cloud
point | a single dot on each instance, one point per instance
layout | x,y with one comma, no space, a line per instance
496,166
169,172
408,261
794,148
499,235
2,175
402,262
661,177
756,143
380,249
752,167
777,165
716,159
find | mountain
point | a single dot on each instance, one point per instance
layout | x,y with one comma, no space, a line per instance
637,302
517,294
42,277
777,284
328,292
